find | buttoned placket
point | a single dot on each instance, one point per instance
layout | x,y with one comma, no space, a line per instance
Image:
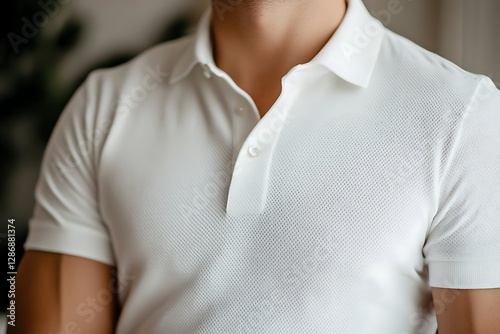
245,118
206,71
250,178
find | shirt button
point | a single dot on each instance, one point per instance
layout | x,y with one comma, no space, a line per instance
253,151
206,72
240,110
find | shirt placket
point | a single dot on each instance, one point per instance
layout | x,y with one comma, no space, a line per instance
250,178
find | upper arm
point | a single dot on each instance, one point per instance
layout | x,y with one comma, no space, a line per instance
467,311
67,217
462,249
57,293
65,280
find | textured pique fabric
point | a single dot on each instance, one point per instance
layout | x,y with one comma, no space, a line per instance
374,177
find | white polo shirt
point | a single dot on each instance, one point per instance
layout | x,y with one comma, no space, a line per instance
373,177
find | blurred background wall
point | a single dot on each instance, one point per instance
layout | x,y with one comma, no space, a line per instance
41,67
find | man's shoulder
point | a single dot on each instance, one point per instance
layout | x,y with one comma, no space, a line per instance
105,89
427,87
158,59
424,69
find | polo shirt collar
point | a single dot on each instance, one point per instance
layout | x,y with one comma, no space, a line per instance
353,50
197,51
351,53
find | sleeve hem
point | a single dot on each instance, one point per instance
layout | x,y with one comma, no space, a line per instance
70,241
464,275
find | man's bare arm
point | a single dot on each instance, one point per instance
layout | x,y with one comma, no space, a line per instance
467,311
57,293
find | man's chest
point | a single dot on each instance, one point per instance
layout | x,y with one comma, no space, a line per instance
191,196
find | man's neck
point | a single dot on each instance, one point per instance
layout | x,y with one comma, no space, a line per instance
258,41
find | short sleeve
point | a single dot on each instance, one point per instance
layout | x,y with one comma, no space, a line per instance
66,217
463,246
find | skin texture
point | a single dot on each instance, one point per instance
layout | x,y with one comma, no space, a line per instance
467,311
257,42
58,293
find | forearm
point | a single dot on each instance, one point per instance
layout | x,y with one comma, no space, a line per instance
468,311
